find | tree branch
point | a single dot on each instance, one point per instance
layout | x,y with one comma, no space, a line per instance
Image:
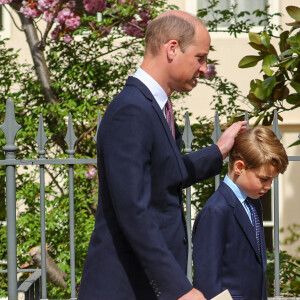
38,58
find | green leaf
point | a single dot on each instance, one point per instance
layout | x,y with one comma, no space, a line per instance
297,23
259,47
286,63
268,62
258,90
282,43
294,12
294,41
296,86
294,144
293,99
265,39
280,93
254,37
268,85
249,61
287,52
294,64
256,102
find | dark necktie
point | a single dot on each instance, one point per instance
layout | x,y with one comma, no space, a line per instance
255,222
170,117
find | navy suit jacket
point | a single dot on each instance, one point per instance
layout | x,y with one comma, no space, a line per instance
138,249
225,252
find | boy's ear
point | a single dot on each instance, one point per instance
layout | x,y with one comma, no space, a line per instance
239,167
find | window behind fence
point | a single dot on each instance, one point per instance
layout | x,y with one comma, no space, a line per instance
242,5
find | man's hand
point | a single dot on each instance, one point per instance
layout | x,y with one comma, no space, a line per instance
226,140
193,295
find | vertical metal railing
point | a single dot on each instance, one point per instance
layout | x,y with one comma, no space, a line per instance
71,140
188,138
10,128
41,140
275,129
215,137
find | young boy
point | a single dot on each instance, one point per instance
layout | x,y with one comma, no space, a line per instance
229,247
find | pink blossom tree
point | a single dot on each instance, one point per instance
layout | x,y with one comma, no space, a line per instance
66,19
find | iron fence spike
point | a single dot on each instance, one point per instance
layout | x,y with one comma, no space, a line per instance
70,138
187,135
41,138
10,127
247,119
217,129
275,126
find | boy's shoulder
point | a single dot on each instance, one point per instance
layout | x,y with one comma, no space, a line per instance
221,197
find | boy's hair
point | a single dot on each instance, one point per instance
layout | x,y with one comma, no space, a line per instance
167,27
256,147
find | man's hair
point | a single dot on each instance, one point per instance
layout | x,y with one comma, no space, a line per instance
259,146
170,26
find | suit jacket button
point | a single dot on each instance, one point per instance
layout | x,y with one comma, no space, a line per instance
184,240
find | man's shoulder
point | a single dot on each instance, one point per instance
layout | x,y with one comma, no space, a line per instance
134,92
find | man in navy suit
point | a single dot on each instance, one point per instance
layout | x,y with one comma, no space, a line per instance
138,249
228,236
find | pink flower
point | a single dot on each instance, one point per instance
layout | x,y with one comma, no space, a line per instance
48,16
73,23
68,39
55,33
137,27
211,71
94,6
30,12
46,5
105,30
91,172
63,15
2,2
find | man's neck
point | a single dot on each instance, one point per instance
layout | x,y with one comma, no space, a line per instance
156,71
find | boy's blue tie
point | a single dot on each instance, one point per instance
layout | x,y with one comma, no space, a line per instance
255,222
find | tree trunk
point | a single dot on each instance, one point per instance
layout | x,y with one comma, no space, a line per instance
37,55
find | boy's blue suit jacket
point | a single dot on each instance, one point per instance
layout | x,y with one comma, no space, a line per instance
138,249
225,253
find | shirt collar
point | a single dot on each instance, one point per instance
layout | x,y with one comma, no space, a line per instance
156,90
237,191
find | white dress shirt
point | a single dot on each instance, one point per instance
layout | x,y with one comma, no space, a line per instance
156,90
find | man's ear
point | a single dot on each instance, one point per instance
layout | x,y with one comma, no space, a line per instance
171,47
239,167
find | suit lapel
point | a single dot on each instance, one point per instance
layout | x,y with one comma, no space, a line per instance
243,220
241,216
176,145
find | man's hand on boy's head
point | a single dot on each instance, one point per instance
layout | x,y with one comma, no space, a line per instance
226,140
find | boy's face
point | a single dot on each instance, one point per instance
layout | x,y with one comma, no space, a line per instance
255,182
